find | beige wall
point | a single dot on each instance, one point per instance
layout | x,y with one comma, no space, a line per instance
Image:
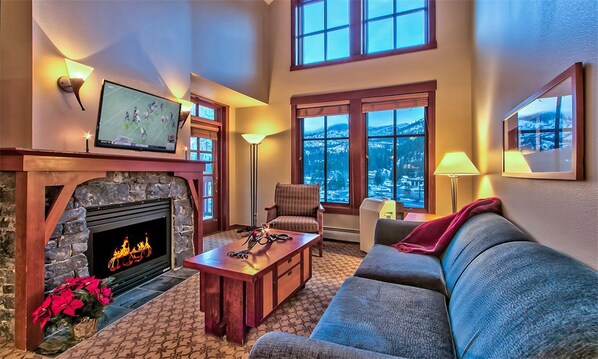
449,64
150,45
15,73
519,47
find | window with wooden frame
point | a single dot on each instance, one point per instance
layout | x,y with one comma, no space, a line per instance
326,32
367,143
208,145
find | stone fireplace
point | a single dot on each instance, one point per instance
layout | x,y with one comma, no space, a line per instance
52,202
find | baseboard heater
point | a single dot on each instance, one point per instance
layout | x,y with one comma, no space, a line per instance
341,234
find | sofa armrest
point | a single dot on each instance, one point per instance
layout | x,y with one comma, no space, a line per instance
277,345
271,213
390,231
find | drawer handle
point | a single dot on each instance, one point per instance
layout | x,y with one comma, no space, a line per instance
289,272
289,260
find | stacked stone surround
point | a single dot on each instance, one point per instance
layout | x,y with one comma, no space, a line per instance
65,252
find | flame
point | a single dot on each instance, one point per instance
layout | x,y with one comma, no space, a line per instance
125,257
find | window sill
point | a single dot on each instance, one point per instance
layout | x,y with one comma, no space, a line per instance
331,208
429,46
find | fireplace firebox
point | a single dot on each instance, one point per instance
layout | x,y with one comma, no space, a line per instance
130,242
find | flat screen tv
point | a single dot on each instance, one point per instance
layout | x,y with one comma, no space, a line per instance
136,120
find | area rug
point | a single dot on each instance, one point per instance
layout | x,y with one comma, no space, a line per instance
171,325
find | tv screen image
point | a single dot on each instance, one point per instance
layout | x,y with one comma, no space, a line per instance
136,120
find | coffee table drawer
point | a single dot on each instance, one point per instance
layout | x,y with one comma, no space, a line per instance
288,263
288,282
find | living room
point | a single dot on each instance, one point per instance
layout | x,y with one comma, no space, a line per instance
242,63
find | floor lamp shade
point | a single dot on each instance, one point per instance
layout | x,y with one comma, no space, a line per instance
454,165
254,142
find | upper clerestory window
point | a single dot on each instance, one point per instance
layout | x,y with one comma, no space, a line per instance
336,31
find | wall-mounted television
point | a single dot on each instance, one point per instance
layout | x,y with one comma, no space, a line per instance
136,120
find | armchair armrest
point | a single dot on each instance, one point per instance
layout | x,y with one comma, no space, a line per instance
275,345
390,231
321,208
271,213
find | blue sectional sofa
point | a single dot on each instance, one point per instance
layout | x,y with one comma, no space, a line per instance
493,293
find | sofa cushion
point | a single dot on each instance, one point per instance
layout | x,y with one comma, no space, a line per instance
387,318
297,199
295,223
524,300
389,265
474,237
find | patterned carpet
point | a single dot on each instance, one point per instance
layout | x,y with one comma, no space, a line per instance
171,326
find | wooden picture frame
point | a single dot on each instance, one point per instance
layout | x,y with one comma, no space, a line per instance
543,137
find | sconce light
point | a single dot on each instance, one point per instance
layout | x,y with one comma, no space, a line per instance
78,73
185,111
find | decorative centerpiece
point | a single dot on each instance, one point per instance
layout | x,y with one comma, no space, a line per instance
260,236
77,304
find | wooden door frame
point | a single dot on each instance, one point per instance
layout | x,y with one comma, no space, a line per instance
222,113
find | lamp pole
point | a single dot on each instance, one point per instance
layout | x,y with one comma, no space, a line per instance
253,160
454,192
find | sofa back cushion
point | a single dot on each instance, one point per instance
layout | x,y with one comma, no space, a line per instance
297,199
474,237
524,300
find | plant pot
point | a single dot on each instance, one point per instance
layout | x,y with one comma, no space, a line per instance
86,328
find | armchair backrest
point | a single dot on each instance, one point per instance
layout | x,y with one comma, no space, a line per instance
297,199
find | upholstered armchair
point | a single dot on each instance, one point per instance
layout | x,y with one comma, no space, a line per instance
297,208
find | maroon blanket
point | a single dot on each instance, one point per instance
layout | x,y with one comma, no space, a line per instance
434,236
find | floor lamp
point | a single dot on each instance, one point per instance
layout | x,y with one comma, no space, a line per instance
455,165
254,142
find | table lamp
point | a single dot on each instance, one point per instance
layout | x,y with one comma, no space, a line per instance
455,165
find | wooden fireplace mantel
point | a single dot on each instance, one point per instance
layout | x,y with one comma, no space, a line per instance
37,169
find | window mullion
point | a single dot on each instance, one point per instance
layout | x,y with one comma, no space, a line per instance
355,30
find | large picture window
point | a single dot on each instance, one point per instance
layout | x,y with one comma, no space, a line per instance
336,31
367,143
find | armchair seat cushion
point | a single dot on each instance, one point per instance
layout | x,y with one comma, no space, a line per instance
295,223
387,264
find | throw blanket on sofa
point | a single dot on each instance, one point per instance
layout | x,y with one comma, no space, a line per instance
433,237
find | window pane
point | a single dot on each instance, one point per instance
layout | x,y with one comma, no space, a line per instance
377,8
379,35
205,144
206,112
338,44
193,110
313,127
208,208
193,143
380,123
205,157
337,13
337,167
208,182
313,17
410,171
313,49
411,30
193,156
405,5
337,126
209,169
410,121
313,163
380,168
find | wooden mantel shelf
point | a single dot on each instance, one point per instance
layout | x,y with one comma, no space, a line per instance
21,159
37,169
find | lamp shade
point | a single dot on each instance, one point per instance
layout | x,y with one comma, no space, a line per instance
77,70
185,105
515,162
253,138
456,164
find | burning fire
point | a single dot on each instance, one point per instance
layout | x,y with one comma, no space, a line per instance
125,257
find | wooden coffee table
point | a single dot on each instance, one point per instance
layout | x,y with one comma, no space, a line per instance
239,293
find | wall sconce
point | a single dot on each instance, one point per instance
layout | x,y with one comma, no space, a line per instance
78,73
185,111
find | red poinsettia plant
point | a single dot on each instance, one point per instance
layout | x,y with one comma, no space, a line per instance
76,298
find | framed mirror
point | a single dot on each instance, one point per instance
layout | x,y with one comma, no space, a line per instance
543,136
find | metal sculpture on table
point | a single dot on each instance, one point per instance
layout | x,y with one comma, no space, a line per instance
259,236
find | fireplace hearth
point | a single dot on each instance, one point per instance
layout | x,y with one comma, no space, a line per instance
130,242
